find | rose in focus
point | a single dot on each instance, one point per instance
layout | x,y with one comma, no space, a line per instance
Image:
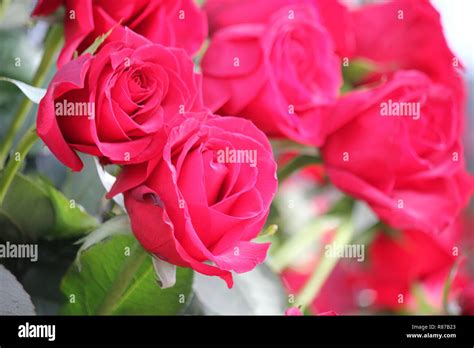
201,203
114,104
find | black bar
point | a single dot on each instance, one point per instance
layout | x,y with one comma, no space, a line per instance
328,330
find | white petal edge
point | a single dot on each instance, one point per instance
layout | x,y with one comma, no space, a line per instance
108,181
34,94
165,272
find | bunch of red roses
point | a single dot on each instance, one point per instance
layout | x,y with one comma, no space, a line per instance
191,195
198,186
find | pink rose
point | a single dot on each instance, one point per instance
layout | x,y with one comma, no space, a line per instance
279,73
294,312
114,104
202,201
412,39
334,15
399,262
337,295
398,147
394,263
162,21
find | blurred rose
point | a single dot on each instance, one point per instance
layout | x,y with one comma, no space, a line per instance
395,265
279,73
412,39
412,258
339,292
334,15
398,147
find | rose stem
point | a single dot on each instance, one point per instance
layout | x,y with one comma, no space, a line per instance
324,269
8,174
296,164
53,42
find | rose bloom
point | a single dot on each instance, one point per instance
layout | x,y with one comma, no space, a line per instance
162,21
278,73
410,259
202,201
408,164
334,15
412,39
114,104
339,292
393,266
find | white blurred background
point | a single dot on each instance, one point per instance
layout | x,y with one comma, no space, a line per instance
458,22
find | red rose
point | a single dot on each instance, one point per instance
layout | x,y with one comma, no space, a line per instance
201,203
398,147
337,295
114,104
395,263
162,21
412,39
334,15
279,74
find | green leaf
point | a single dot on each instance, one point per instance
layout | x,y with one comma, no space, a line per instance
71,218
33,209
112,281
117,225
357,70
296,164
99,41
34,94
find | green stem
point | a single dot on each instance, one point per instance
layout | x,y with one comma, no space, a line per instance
447,288
11,169
296,164
424,307
294,246
324,269
53,42
122,282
